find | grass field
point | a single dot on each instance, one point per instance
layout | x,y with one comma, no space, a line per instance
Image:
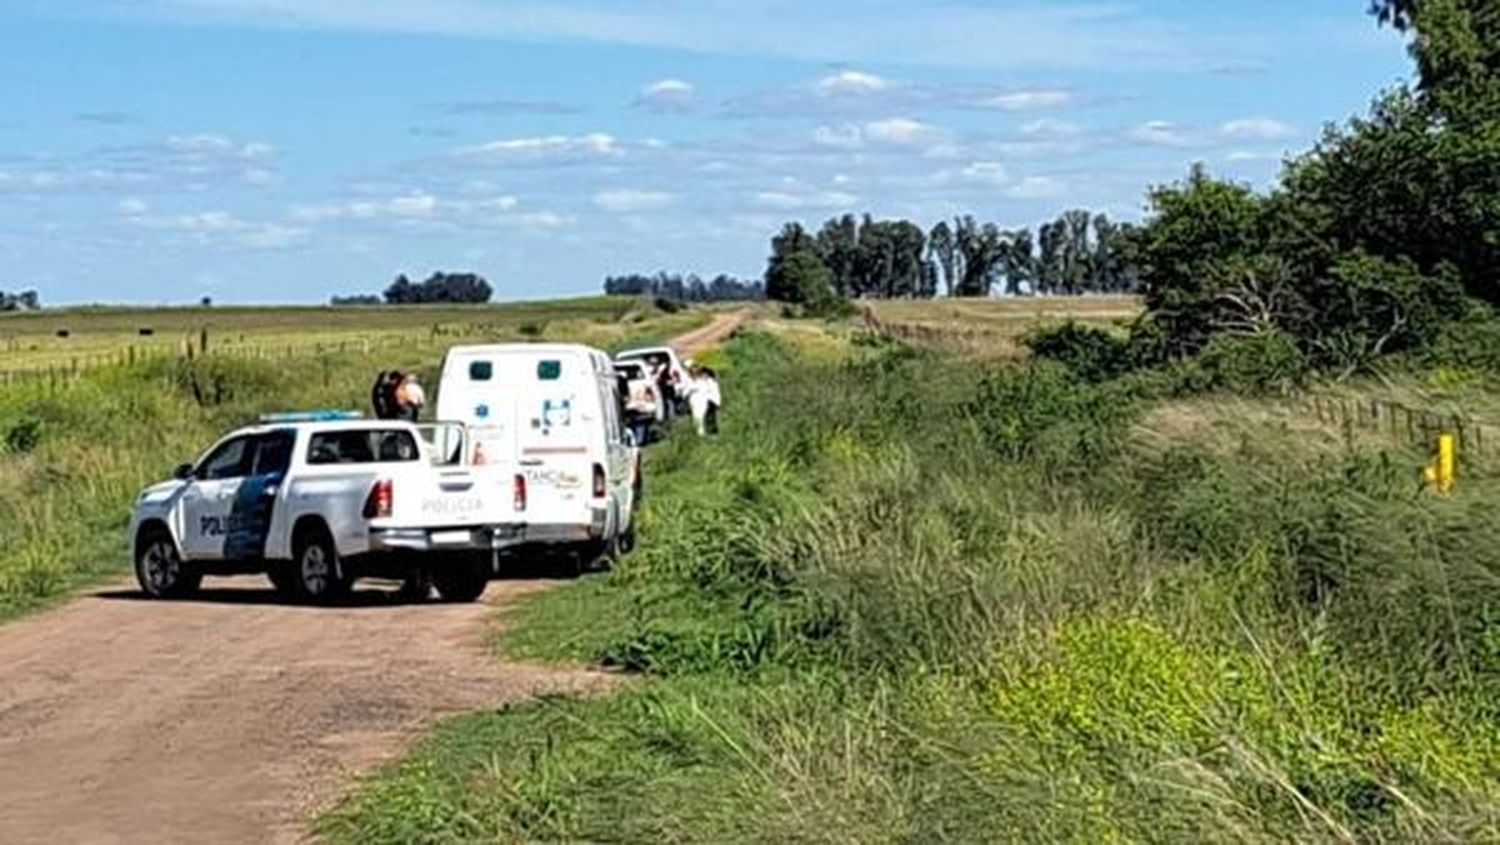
105,335
993,328
75,451
915,597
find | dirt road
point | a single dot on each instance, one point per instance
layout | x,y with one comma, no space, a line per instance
233,718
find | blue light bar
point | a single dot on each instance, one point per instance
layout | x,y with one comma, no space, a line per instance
310,416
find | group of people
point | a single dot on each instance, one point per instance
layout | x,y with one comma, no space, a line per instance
397,396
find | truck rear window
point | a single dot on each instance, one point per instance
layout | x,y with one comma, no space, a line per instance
366,446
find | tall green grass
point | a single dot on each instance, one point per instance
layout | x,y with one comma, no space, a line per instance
905,600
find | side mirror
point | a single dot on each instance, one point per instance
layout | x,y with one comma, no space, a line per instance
183,473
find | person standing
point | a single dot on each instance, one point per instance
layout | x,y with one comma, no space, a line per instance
383,395
713,399
410,398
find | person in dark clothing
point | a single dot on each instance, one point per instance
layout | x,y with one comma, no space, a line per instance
383,395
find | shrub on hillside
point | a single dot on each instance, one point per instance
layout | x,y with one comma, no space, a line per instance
1093,354
1041,413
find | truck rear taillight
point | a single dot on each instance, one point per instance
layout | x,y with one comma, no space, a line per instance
518,492
378,504
599,481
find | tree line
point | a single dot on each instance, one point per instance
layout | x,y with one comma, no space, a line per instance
26,300
861,257
689,288
440,287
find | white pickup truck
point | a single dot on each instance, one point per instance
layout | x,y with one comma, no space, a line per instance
317,500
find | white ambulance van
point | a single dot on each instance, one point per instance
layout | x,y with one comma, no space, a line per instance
553,411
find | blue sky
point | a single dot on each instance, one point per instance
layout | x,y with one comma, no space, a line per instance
287,150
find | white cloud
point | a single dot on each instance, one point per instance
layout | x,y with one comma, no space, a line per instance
408,207
1159,133
549,148
538,220
851,82
846,137
1239,156
217,227
1256,129
206,145
630,201
1026,100
1037,188
890,132
1047,127
792,200
668,95
902,131
986,172
133,207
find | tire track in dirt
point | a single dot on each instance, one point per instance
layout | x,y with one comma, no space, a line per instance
233,717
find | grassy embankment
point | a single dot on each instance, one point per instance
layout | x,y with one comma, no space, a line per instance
906,598
73,458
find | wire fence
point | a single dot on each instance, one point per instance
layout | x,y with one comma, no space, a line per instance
1402,423
62,371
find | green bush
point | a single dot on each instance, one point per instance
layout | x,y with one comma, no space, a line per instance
1093,354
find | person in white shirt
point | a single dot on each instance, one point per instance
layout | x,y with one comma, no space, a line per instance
704,400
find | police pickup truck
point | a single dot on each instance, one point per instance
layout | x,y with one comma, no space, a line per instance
315,500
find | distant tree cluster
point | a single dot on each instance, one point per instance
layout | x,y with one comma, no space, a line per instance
26,300
357,299
689,288
1078,253
439,287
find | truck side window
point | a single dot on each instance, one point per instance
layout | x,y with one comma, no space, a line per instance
481,370
231,460
274,455
549,370
362,447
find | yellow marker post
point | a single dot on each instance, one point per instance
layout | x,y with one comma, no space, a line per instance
1447,459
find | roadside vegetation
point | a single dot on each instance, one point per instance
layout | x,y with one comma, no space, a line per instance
1120,590
903,600
74,455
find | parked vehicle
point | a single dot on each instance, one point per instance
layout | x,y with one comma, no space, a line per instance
643,406
553,411
317,500
675,372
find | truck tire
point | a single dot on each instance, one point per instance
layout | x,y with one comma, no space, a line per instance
461,580
160,570
315,573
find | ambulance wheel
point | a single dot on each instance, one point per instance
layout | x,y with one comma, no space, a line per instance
625,543
317,574
160,570
462,580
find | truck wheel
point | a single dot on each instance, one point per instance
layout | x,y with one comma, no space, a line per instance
461,581
281,578
160,570
316,572
416,586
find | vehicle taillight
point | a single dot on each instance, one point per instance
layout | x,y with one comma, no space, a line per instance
598,481
518,491
378,503
651,394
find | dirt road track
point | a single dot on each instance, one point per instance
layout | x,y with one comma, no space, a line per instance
233,718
